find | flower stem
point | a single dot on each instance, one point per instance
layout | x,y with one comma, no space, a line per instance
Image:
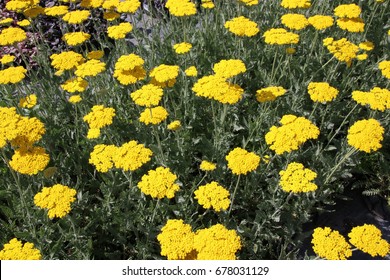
234,194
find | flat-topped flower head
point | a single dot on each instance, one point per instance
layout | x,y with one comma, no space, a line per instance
73,85
347,11
90,68
12,35
180,8
228,68
366,135
294,21
129,69
102,157
240,161
29,160
280,36
66,60
155,115
148,95
330,244
159,183
75,38
269,93
16,250
131,156
297,179
242,26
12,75
214,196
320,22
207,166
119,31
384,66
182,48
296,4
322,92
368,238
76,17
377,98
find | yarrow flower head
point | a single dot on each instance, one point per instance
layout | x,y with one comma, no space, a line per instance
159,183
368,238
322,92
129,69
90,68
76,84
98,118
378,98
320,22
242,26
12,75
228,68
269,93
214,196
182,48
119,31
102,157
250,2
296,4
180,8
366,135
241,161
131,156
76,17
29,160
330,244
66,60
342,49
294,21
128,6
351,24
217,243
164,75
294,132
191,71
176,240
347,11
7,58
297,179
28,102
207,166
75,38
16,250
56,199
384,66
12,35
148,95
175,125
280,36
155,115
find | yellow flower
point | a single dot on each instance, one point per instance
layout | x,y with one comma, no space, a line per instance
154,115
294,132
75,38
347,11
30,130
191,71
242,26
322,92
384,66
56,10
368,238
91,4
28,102
29,160
367,46
33,12
95,54
24,23
320,22
76,84
15,250
164,73
294,21
269,93
207,166
111,15
377,98
250,2
98,118
176,240
241,161
295,4
90,68
119,31
181,8
229,68
12,75
56,200
66,60
207,4
12,35
131,156
159,183
75,99
9,125
76,17
128,6
129,69
342,49
214,196
102,157
7,58
182,48
297,179
148,95
6,21
362,56
216,87
366,135
175,125
217,243
280,36
330,244
351,24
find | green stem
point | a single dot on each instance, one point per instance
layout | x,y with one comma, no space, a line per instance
234,194
343,159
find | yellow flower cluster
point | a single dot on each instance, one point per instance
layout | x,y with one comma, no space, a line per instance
75,99
159,183
294,132
368,238
342,49
29,160
128,6
119,31
384,66
366,135
98,118
56,10
90,68
280,36
29,131
191,71
76,17
295,21
349,17
228,68
56,200
207,166
181,8
320,22
75,38
164,75
347,11
176,240
179,242
12,35
214,196
129,69
12,75
351,24
216,243
322,92
175,125
66,60
131,156
250,2
7,58
95,54
182,48
15,250
330,244
148,95
153,115
76,84
297,179
241,161
269,93
28,102
102,157
242,26
296,4
9,125
20,5
377,98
